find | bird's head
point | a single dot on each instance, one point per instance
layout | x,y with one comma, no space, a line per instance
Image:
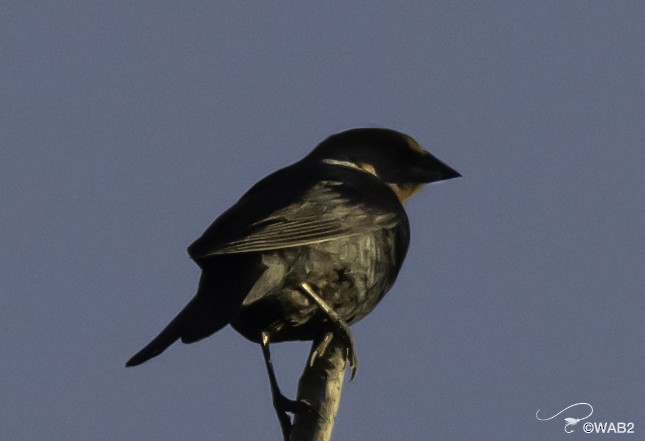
395,158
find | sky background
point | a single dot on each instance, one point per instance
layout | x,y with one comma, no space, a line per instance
127,127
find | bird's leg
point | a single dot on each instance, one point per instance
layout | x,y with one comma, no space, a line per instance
341,330
281,403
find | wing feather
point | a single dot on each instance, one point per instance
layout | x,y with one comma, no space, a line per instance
326,210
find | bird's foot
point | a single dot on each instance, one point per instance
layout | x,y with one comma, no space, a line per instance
284,406
293,406
341,330
320,348
350,348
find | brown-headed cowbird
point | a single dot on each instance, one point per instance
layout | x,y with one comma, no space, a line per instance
308,250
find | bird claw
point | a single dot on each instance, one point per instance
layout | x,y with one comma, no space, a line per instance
350,352
343,332
284,406
350,347
320,348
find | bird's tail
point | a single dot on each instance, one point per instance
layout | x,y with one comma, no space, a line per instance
222,288
201,317
168,336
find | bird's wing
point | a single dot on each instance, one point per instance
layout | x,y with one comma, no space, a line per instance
281,216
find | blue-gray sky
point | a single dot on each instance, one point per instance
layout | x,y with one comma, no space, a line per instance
127,127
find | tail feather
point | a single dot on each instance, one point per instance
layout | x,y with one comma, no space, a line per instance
224,283
160,343
202,317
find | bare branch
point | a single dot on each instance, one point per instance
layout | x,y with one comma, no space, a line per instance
320,385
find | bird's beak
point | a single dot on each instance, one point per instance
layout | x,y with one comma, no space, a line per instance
430,169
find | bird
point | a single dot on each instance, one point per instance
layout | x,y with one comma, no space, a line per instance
309,250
